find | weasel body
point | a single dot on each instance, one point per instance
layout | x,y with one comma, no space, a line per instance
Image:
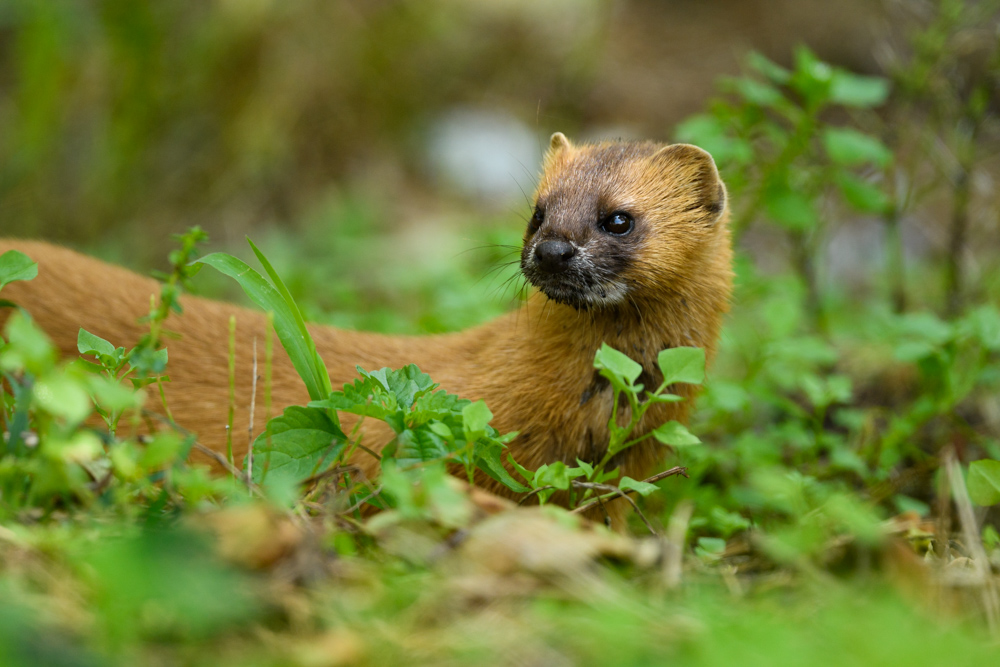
628,245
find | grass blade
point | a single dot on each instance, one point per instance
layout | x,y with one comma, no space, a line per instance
288,322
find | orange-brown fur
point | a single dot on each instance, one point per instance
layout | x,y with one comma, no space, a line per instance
533,366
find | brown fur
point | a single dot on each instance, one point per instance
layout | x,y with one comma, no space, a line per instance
533,367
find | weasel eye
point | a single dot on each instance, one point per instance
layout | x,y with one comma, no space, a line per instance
537,218
618,223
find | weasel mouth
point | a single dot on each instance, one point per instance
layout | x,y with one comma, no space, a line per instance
580,294
573,279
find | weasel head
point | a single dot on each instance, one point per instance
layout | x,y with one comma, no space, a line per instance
620,221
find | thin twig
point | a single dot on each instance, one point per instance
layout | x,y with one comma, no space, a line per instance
253,403
361,502
338,470
229,467
676,470
534,492
970,534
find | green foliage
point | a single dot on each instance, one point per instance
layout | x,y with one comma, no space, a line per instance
827,411
679,364
429,426
984,482
785,164
288,323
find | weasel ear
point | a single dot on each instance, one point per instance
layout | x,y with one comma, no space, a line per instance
558,142
692,170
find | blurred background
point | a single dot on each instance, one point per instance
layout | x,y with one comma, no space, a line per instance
382,154
314,124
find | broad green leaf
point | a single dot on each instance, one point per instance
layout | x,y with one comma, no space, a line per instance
925,326
616,366
296,445
557,474
113,396
163,448
365,396
710,548
642,488
984,482
488,460
768,67
439,405
713,135
528,475
675,434
791,209
15,265
64,396
861,194
88,343
406,384
441,429
812,78
853,90
983,324
288,322
757,92
586,467
420,445
148,362
27,346
850,147
682,364
476,417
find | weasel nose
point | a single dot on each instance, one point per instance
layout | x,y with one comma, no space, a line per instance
553,256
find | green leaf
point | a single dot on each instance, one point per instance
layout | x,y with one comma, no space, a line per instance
682,364
318,368
850,147
64,396
642,488
112,396
983,324
861,194
15,265
713,135
295,445
88,343
420,445
476,417
812,78
757,92
768,67
27,346
487,458
557,474
148,362
406,384
528,475
984,482
616,367
791,209
710,548
288,323
853,90
675,434
586,467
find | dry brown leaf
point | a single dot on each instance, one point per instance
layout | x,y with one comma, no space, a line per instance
253,535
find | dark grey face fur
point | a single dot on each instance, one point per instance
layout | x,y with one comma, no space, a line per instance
584,233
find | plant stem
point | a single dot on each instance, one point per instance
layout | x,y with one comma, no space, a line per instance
954,277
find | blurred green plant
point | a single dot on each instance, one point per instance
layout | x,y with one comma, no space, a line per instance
785,163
